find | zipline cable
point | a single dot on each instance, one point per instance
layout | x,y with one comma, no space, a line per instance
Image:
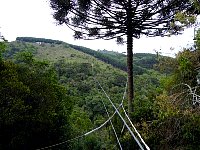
91,131
123,102
109,117
135,138
147,147
121,105
78,137
112,125
87,133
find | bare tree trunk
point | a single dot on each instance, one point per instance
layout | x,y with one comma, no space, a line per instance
130,74
130,58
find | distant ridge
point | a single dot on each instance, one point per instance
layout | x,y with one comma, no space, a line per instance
105,57
142,61
34,40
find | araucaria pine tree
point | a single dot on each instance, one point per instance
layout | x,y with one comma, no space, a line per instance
121,19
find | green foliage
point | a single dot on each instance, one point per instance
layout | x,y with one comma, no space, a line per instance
81,121
142,62
2,47
197,40
175,124
82,124
184,65
196,7
148,87
89,111
15,47
166,65
91,142
182,68
186,70
185,18
34,107
103,56
174,128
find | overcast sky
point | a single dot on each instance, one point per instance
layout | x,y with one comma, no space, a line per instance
33,18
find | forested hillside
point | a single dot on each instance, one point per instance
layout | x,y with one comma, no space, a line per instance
50,93
142,62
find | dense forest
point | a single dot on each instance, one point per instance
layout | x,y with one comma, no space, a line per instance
50,97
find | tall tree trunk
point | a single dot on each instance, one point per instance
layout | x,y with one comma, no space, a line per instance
130,73
130,58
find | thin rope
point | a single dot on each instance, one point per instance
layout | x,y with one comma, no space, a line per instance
109,116
147,147
87,133
78,137
123,102
108,120
121,105
112,125
139,144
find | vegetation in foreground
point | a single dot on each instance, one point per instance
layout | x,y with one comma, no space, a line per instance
48,95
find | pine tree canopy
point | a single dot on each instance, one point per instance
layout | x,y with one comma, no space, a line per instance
108,19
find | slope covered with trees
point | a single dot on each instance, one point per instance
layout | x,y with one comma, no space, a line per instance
142,62
76,71
53,87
